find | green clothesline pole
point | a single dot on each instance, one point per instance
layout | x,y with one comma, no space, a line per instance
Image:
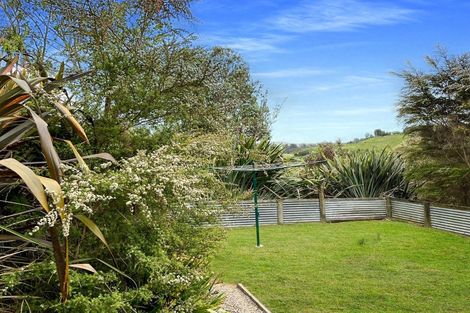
254,169
255,200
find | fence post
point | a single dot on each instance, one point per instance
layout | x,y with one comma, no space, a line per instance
427,214
321,200
280,211
388,205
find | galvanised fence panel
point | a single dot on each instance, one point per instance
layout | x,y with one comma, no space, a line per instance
337,209
245,214
454,220
408,211
301,210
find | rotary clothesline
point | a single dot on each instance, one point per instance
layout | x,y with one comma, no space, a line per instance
253,168
263,167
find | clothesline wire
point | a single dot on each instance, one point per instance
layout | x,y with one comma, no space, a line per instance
263,168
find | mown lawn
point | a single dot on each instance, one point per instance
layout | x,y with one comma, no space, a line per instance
370,266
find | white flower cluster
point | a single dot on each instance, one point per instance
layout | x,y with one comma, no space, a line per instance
180,280
158,179
80,196
49,219
80,191
170,180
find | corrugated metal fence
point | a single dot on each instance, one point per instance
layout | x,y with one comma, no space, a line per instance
453,219
295,211
305,210
340,209
457,221
244,215
408,211
287,211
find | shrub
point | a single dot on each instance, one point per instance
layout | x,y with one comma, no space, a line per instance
303,182
366,174
250,151
26,102
154,211
294,183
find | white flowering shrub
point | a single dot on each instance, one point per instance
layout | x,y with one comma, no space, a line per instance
155,211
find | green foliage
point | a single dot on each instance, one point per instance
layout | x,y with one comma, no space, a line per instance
150,80
325,151
153,210
303,182
366,174
193,90
435,108
25,101
356,174
379,133
250,151
149,85
295,183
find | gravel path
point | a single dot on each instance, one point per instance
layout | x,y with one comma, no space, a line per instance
235,300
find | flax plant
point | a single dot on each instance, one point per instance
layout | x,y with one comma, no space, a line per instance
25,102
364,174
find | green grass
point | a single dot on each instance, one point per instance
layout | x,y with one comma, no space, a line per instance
370,266
378,143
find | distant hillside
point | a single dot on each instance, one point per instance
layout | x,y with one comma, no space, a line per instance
378,143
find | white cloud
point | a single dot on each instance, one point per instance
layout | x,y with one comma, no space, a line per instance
351,82
360,111
264,43
292,72
345,112
361,79
251,44
341,15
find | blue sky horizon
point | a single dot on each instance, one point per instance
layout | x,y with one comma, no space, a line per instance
328,63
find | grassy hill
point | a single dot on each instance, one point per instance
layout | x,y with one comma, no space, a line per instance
378,143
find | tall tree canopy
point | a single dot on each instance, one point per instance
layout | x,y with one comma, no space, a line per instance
149,80
435,107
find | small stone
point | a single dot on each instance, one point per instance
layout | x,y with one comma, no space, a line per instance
235,300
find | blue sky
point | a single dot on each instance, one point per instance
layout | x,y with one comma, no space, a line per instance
328,63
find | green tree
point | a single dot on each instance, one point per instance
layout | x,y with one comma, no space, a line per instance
150,80
435,107
379,133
